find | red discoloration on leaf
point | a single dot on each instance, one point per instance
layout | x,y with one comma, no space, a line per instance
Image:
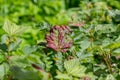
58,39
86,78
37,67
77,24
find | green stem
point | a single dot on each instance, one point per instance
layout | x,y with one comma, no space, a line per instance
107,61
108,64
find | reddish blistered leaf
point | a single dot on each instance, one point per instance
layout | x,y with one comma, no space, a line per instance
58,39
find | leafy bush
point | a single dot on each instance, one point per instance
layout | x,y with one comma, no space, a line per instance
86,46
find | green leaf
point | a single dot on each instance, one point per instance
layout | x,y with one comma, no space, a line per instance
36,59
110,77
91,75
12,29
59,61
74,68
2,58
117,51
4,68
107,28
84,58
4,38
2,72
46,76
85,44
15,45
62,76
29,49
24,74
113,45
19,61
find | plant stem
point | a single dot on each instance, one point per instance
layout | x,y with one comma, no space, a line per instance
107,61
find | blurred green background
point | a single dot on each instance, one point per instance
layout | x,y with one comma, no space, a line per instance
30,13
52,11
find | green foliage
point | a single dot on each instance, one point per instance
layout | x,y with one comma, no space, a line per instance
110,77
95,50
32,11
73,69
12,29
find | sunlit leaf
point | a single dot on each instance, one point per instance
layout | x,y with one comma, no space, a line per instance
62,76
110,77
113,45
13,29
74,68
